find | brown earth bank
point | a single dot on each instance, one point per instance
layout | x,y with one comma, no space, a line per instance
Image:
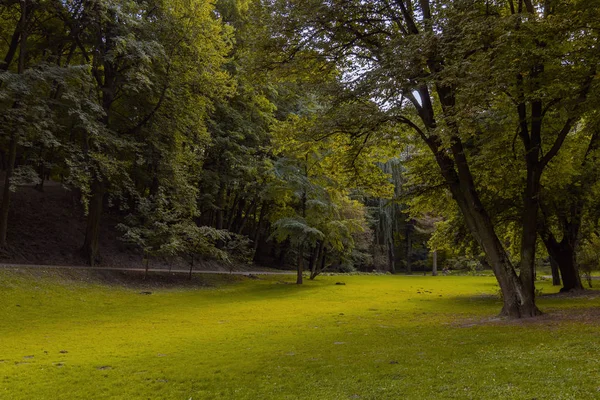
48,228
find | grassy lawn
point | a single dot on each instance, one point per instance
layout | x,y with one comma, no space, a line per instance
377,337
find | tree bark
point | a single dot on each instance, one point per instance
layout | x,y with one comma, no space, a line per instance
264,209
391,255
244,218
563,253
555,272
314,260
92,230
12,49
530,225
434,266
300,264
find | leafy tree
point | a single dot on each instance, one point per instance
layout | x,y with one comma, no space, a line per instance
315,173
160,228
152,102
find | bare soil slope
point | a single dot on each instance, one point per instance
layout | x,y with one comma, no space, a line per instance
49,227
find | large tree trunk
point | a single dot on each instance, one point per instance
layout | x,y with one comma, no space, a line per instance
518,300
258,234
518,297
92,230
563,253
434,266
251,208
530,225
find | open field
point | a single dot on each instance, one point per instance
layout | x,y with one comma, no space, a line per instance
76,335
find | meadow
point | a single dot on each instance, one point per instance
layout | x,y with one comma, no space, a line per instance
77,336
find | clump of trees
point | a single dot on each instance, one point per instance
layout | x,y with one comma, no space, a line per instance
163,113
489,93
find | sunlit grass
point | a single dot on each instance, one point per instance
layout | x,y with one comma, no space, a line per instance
377,337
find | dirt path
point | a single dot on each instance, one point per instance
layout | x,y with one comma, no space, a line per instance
181,271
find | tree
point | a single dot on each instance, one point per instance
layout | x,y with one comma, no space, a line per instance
566,197
317,177
41,97
139,55
160,228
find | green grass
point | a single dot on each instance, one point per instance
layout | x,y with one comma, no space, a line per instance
376,337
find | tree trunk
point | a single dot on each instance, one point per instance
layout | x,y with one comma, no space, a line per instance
259,229
529,234
555,272
219,214
314,260
518,301
391,255
4,208
12,49
434,270
237,215
12,152
563,255
300,264
323,260
283,249
244,219
92,230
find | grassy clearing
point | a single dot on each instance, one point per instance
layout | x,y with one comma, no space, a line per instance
377,337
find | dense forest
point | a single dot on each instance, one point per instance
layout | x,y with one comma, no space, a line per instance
333,135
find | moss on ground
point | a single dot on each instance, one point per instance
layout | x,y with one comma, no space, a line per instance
377,337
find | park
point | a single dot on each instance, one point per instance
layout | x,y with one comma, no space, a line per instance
299,199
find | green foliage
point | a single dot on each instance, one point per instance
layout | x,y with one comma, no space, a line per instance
159,229
589,257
